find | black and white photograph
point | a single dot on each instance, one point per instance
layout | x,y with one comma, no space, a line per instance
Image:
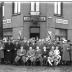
36,36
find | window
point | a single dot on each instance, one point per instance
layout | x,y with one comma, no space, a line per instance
61,33
16,8
3,10
37,6
55,7
19,8
34,6
58,8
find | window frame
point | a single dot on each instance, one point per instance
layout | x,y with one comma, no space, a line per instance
61,11
13,8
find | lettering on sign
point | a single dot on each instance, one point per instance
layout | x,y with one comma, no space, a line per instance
62,21
59,20
8,20
65,21
26,18
4,21
40,19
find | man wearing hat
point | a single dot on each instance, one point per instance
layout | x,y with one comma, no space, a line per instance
65,56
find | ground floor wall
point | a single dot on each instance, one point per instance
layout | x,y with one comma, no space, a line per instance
24,31
44,28
69,34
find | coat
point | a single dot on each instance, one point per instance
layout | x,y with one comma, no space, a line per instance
45,53
1,51
65,55
21,53
31,52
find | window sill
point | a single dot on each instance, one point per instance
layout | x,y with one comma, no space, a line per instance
57,15
16,14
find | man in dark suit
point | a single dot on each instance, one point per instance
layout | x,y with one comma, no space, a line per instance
44,55
66,49
8,51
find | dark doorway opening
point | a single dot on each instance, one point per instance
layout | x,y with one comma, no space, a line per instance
34,32
35,35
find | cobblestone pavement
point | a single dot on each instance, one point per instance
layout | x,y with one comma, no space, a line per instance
11,68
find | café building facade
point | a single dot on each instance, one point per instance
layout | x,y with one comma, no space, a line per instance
35,19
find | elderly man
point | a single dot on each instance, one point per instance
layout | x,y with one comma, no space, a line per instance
66,49
30,55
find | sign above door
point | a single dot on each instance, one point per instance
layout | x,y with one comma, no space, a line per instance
40,19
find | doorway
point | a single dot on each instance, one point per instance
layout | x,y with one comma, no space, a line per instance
34,35
35,32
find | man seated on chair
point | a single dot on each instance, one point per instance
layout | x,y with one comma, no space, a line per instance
39,55
21,54
31,55
57,56
51,56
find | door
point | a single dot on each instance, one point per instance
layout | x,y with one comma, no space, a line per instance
35,32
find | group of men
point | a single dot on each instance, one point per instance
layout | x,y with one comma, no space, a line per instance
32,52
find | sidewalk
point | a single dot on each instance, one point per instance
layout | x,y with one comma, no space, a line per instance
11,68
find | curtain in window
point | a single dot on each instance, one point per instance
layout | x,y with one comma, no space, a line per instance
3,10
37,6
59,8
55,7
19,5
15,7
32,6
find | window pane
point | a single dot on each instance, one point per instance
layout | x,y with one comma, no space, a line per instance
3,10
32,6
55,7
59,8
37,6
18,7
15,7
